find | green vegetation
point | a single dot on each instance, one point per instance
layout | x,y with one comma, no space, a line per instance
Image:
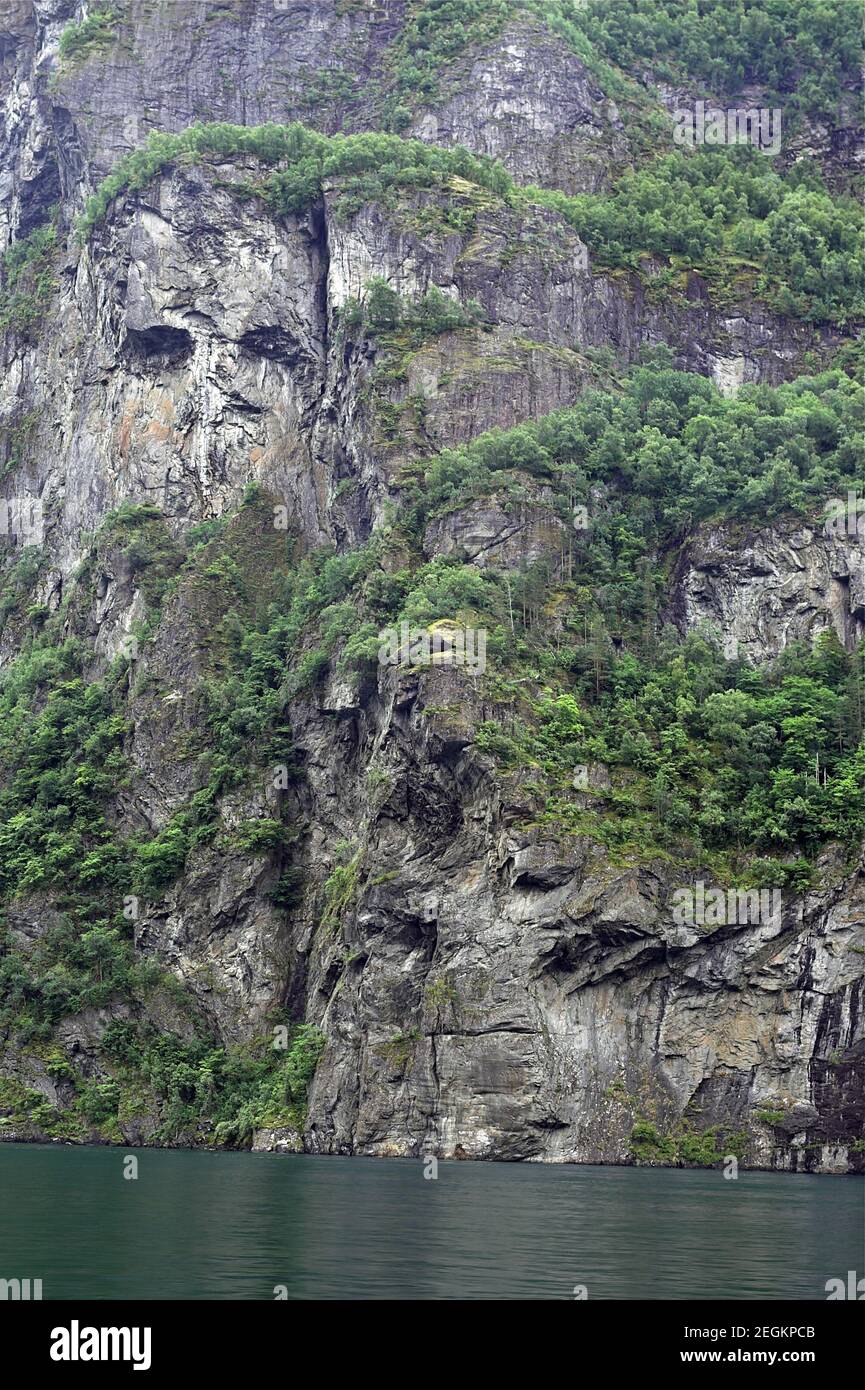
440,993
16,437
744,227
435,33
799,52
772,1118
16,584
81,39
340,889
680,452
708,755
400,328
406,325
433,50
138,534
565,19
685,1146
738,222
227,1093
28,280
371,166
705,760
747,232
710,760
22,1106
398,1052
190,1090
62,748
61,742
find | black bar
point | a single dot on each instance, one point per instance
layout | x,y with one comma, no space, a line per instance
197,1338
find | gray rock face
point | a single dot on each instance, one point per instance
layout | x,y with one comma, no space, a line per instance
499,996
493,990
530,102
193,348
526,99
281,1141
764,590
490,534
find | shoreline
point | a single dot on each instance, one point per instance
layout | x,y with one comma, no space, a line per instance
46,1141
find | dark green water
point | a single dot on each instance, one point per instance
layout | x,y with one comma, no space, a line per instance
234,1226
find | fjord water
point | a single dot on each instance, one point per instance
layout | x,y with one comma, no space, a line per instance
238,1225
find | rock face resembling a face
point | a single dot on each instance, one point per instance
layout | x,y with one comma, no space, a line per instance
495,988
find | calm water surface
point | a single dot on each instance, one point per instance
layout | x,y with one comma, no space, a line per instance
233,1226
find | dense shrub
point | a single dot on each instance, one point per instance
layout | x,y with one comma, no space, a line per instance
28,280
801,51
82,37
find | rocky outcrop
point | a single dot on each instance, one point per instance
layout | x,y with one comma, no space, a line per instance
497,994
491,988
763,590
526,99
194,347
529,101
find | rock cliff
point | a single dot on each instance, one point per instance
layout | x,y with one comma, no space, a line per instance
198,407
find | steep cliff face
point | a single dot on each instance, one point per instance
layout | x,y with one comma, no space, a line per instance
500,992
768,589
197,400
193,346
523,97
